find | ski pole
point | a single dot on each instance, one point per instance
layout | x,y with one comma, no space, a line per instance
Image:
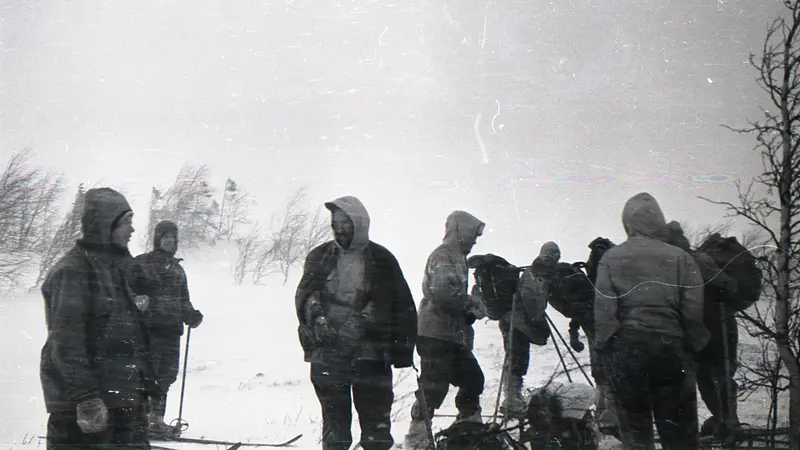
423,404
506,359
728,406
183,381
558,350
569,349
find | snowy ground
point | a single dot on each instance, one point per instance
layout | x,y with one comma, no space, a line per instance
246,379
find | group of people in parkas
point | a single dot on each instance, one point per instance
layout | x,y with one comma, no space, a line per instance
653,335
115,322
114,326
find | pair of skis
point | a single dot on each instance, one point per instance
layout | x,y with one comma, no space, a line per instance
231,444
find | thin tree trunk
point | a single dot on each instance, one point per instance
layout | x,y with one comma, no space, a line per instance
783,295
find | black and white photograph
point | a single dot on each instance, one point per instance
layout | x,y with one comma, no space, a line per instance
400,225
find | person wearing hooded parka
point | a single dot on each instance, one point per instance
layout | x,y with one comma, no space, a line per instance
445,334
648,320
159,275
94,370
357,320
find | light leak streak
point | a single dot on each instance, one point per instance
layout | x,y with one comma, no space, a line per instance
380,38
495,117
485,23
485,159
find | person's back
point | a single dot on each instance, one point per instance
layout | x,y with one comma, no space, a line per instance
94,368
648,312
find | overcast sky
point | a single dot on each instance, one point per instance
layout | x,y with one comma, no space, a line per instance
418,108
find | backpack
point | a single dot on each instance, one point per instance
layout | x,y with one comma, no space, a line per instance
738,263
497,279
559,416
599,246
474,436
573,293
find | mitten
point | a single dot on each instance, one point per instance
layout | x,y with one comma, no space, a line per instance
92,415
576,345
195,319
142,302
476,307
575,340
322,331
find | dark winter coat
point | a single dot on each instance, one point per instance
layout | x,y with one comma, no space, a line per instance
445,305
717,287
645,284
390,329
159,275
96,344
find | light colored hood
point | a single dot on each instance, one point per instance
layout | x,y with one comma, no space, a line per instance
461,226
356,211
642,216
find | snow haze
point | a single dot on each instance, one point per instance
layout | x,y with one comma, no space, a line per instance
540,118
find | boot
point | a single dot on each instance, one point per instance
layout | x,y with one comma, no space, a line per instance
729,426
513,403
474,417
157,428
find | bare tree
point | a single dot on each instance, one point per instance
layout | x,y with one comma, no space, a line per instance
233,210
696,235
765,373
65,236
318,231
248,252
287,241
239,206
778,142
294,233
187,203
28,199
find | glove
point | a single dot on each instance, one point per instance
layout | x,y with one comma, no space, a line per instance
476,307
476,291
576,345
92,415
575,340
195,319
322,331
142,302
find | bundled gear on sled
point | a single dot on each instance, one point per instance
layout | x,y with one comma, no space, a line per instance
560,416
475,436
